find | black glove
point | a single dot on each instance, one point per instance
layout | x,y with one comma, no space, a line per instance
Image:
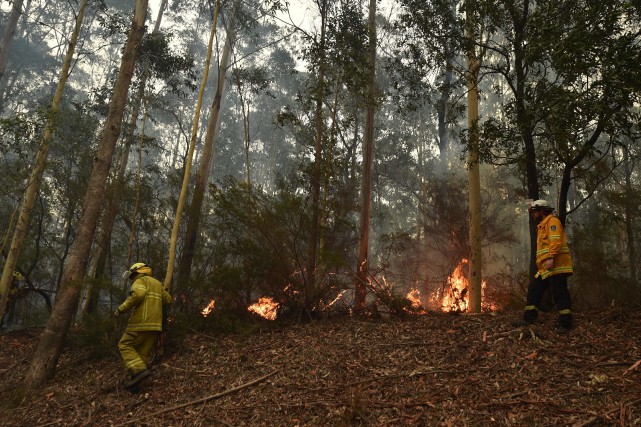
117,313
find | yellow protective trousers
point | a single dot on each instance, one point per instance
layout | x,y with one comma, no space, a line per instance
135,349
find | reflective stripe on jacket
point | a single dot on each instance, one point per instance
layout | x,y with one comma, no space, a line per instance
551,242
146,298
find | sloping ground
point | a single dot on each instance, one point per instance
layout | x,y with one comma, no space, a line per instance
429,370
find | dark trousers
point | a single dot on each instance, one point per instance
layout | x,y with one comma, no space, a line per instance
558,285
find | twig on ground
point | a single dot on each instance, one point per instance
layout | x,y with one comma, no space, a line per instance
13,366
605,414
204,399
632,368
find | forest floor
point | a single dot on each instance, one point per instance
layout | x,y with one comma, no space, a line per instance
428,370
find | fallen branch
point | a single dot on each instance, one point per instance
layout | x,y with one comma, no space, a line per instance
205,335
401,343
204,399
52,423
13,366
513,395
605,414
518,402
633,367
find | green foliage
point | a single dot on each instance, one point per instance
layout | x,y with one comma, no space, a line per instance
98,333
255,79
601,273
220,322
427,48
176,70
112,21
256,245
573,88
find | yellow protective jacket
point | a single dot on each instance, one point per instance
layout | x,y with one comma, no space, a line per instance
146,298
551,242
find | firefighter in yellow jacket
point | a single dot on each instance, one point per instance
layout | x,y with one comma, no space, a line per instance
554,265
146,300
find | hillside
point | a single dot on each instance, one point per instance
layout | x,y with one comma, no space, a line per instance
435,369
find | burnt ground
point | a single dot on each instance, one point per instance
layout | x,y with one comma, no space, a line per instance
432,370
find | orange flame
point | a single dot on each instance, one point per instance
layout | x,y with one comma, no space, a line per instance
414,297
340,295
265,307
456,295
209,308
457,298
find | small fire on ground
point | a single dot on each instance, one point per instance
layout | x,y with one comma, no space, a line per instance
209,308
454,297
265,307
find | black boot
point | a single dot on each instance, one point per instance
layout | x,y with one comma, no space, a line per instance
136,378
134,389
565,322
529,318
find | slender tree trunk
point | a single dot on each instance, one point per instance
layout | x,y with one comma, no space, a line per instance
474,179
629,217
12,220
109,217
523,119
193,222
134,216
115,190
67,240
422,193
325,211
366,179
51,342
444,99
39,166
566,180
314,237
9,32
190,155
246,136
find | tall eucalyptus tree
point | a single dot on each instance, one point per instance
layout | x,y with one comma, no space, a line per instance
368,158
51,342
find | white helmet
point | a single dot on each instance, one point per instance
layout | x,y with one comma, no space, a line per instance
137,268
541,205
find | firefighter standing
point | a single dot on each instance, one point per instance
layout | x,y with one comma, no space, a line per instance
146,298
554,265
